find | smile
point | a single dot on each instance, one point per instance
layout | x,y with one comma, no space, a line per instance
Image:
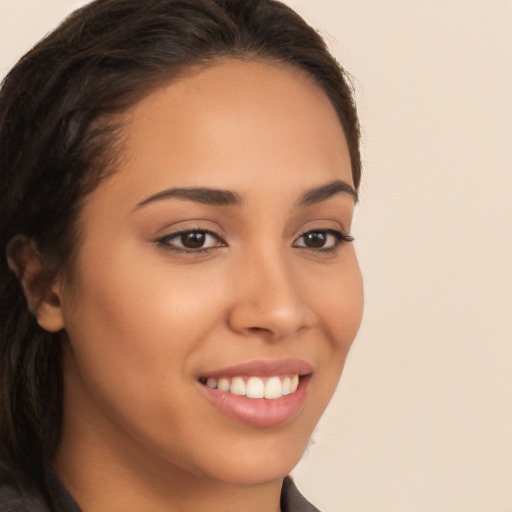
255,387
259,393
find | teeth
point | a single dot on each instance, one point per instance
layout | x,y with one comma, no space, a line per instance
223,385
286,386
294,383
273,388
237,386
256,387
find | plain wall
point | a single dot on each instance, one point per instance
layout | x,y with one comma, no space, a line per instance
422,420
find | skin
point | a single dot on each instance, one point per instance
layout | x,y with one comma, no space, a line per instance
143,320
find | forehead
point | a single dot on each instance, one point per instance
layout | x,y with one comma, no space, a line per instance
235,124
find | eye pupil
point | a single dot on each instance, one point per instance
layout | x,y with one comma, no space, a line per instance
193,240
315,239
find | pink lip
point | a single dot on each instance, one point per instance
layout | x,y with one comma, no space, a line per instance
260,412
263,369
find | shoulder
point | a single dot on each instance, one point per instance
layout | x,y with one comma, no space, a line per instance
292,500
15,498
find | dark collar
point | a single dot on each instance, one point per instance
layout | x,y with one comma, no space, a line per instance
16,499
292,500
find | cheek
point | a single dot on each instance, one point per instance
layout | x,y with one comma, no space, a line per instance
135,331
337,295
134,325
338,298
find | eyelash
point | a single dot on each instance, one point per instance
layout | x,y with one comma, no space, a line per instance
165,241
340,238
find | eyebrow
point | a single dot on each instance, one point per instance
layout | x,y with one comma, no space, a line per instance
324,192
219,197
203,195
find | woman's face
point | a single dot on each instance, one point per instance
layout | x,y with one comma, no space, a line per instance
215,256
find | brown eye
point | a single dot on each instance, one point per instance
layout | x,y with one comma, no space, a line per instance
315,239
191,240
322,239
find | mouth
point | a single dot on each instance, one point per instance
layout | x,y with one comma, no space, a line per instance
259,394
254,387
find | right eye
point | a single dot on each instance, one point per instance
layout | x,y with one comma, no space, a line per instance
193,240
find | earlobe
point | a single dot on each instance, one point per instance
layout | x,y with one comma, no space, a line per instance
49,313
42,292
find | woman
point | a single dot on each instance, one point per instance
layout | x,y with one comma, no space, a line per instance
180,290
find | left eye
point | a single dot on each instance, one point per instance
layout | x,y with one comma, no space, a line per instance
322,239
191,240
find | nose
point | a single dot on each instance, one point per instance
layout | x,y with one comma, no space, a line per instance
270,300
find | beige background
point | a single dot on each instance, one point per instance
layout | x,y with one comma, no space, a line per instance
422,420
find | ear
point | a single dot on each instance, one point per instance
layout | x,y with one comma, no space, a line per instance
42,293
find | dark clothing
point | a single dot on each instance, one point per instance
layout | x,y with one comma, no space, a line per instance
292,500
14,499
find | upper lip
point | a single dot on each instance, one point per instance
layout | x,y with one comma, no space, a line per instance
263,368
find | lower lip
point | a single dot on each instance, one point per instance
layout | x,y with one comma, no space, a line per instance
259,412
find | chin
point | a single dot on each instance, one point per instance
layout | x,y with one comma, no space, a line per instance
259,460
248,472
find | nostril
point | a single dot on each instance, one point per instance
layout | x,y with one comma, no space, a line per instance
259,329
